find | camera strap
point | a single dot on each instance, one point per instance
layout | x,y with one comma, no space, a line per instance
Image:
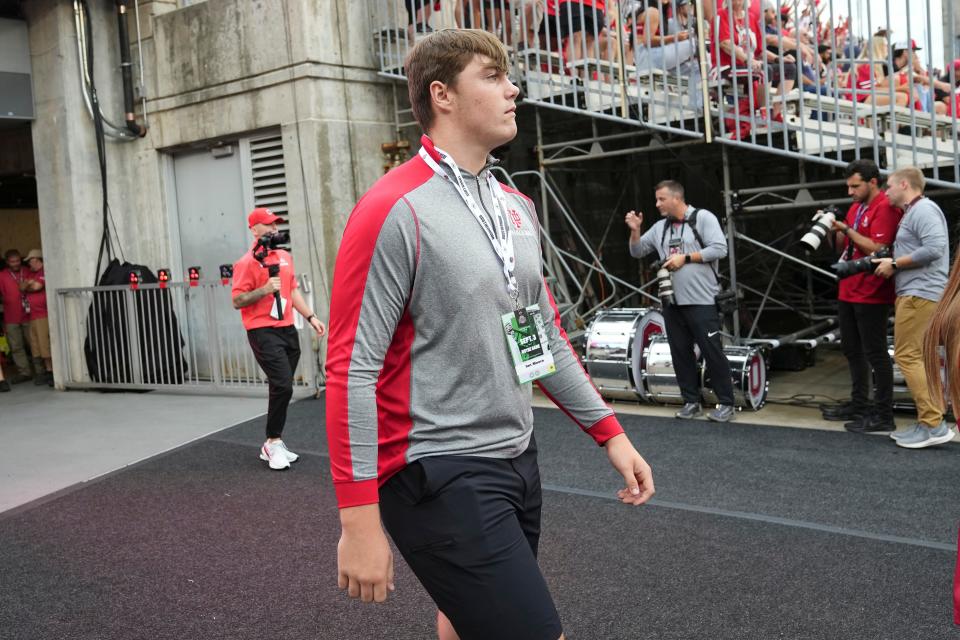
851,247
498,233
692,221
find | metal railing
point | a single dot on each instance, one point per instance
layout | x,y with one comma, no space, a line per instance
787,86
174,338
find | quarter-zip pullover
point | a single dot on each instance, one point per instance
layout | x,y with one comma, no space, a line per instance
418,363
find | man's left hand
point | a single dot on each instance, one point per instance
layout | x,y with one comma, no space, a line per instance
318,326
884,267
674,262
635,471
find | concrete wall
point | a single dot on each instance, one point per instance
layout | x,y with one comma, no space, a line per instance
951,32
220,68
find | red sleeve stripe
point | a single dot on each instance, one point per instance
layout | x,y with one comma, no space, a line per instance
606,431
349,283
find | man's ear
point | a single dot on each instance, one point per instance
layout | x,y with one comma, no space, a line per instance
441,97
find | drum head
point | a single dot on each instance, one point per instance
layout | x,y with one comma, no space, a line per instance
756,371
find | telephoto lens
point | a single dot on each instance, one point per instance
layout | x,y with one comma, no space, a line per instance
847,268
822,223
665,287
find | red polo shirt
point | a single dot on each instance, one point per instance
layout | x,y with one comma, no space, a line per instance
879,223
10,295
248,274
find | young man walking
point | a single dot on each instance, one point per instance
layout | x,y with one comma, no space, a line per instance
440,320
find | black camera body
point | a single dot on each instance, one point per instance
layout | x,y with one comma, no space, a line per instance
847,268
269,241
274,240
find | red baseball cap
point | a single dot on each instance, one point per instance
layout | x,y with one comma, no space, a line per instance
262,215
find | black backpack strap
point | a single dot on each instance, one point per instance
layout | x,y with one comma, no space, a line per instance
692,221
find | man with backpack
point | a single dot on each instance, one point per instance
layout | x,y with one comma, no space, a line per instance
689,242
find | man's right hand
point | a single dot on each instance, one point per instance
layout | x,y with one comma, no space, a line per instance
273,284
364,558
634,220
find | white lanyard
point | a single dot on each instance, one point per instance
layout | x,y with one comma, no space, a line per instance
500,237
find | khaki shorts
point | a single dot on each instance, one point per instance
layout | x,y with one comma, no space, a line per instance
39,338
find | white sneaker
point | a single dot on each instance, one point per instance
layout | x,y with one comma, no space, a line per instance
275,454
291,456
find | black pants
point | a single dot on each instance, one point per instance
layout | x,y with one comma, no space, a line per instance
277,350
469,527
695,324
863,329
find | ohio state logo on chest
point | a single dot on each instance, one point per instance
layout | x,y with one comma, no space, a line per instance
515,218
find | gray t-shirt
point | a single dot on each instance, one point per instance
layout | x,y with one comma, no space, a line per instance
922,235
694,283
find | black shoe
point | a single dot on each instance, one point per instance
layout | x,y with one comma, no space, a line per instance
689,410
723,413
871,423
17,379
4,386
50,379
844,412
40,379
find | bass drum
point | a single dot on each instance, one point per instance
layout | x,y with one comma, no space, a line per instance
659,377
615,342
901,393
748,369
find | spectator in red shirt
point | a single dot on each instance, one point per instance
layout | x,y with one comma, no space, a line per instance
16,313
266,304
865,301
872,81
38,325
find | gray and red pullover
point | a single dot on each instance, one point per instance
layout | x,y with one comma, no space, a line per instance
417,362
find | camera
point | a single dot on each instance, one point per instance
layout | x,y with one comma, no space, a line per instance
269,241
822,223
847,268
274,240
665,287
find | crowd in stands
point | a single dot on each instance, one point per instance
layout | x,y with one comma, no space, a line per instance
768,50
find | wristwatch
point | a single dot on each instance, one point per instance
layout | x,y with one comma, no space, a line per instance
893,264
687,259
312,316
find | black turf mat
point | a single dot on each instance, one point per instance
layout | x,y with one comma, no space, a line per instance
206,542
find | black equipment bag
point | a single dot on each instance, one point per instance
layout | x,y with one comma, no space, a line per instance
107,345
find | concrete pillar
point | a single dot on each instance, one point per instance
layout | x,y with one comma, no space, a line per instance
213,70
951,31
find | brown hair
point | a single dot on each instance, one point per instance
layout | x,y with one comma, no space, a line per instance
672,186
944,329
440,57
912,176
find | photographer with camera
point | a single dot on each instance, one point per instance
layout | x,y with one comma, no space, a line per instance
865,301
265,290
920,263
689,242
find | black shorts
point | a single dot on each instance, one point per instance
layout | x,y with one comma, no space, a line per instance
415,5
469,529
568,15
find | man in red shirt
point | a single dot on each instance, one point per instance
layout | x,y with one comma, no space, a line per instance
38,325
864,304
268,319
16,313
